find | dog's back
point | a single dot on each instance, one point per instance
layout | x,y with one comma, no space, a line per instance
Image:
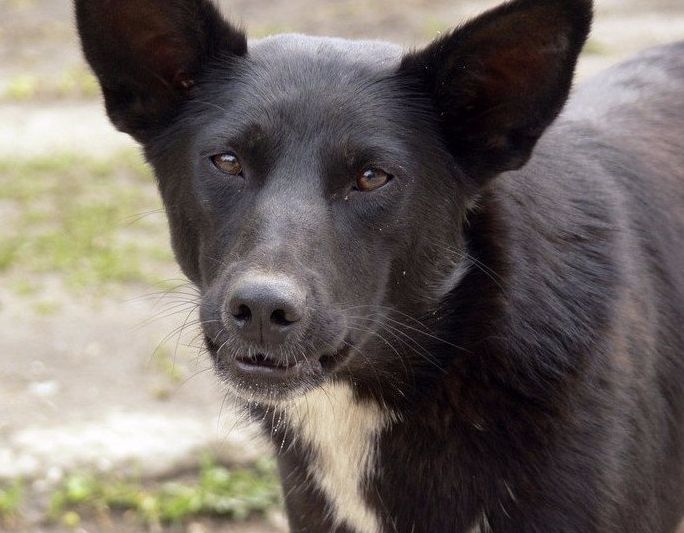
636,111
610,174
638,107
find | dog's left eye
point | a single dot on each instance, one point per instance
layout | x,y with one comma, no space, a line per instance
371,179
227,162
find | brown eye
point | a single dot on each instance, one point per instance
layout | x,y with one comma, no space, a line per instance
371,179
228,163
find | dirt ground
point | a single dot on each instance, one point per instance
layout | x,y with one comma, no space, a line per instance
87,380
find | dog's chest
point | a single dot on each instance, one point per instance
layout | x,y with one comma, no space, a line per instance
342,436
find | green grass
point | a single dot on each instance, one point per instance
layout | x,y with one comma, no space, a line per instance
233,494
74,83
81,218
10,500
165,363
594,47
433,27
46,308
266,30
21,4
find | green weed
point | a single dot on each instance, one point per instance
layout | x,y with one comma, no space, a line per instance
233,494
266,30
74,83
10,500
84,219
594,47
166,364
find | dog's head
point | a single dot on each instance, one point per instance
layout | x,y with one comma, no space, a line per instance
317,189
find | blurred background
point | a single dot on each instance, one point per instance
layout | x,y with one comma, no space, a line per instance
110,418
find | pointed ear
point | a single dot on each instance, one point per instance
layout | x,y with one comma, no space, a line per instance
497,82
148,53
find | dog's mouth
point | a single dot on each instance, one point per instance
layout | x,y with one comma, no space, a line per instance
262,374
262,362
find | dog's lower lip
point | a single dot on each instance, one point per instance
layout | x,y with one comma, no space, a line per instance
260,361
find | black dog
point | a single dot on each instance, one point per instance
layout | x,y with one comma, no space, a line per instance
449,317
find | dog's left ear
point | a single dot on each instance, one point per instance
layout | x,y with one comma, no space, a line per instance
499,81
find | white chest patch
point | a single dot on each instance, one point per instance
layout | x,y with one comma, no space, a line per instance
342,434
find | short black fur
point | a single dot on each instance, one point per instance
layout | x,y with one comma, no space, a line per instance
512,296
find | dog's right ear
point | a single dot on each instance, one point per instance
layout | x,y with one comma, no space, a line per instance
147,54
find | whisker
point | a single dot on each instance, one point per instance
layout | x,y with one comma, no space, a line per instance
429,335
427,356
489,272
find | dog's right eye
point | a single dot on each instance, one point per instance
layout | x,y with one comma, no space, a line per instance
228,163
371,179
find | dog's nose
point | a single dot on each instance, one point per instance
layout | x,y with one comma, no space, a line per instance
266,310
